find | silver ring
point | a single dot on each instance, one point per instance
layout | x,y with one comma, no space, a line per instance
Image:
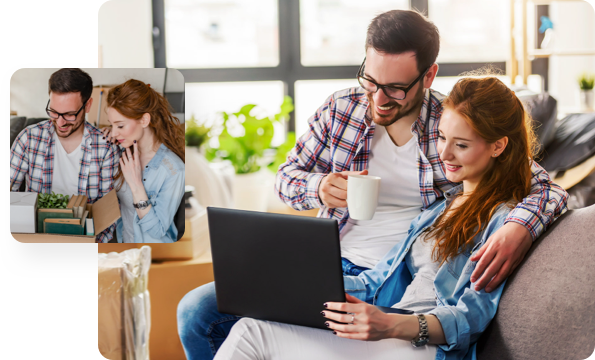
352,318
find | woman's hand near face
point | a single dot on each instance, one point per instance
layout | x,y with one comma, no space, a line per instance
132,169
107,134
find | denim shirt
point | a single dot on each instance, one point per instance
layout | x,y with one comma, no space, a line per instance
163,178
463,312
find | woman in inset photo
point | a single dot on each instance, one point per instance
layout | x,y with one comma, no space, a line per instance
150,178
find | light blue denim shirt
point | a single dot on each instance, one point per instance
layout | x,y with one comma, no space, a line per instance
463,312
164,178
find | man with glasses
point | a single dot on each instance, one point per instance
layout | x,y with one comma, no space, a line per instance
66,154
388,127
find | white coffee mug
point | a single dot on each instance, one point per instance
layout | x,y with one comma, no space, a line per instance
362,196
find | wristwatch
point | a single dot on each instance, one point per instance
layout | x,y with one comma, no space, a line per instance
143,204
423,336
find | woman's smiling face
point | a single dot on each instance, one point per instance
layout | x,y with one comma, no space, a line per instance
124,130
465,154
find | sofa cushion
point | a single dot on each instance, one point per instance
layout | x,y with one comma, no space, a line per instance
33,121
17,123
547,310
573,143
544,111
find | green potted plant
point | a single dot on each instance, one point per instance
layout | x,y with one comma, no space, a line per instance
52,201
245,137
586,82
245,141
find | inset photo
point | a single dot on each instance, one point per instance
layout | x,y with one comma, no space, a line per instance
97,155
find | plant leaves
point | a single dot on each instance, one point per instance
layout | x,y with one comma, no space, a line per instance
245,149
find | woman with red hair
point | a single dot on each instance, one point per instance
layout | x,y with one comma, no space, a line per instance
151,176
485,140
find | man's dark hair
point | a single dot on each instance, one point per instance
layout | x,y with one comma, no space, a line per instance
398,31
71,80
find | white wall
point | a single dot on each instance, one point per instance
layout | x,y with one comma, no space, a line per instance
29,87
574,28
125,34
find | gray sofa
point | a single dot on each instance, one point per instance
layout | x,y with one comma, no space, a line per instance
547,310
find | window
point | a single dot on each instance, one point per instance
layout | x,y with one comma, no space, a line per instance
472,30
333,32
221,34
311,94
306,49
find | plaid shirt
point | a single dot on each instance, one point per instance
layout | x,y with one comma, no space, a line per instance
340,137
32,154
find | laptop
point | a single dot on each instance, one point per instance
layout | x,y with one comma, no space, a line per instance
276,267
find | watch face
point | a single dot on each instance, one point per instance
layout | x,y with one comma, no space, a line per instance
141,204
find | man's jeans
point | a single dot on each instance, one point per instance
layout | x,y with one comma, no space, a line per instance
203,329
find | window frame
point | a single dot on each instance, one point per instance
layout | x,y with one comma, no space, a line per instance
289,70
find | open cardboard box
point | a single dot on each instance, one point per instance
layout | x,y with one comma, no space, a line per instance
104,212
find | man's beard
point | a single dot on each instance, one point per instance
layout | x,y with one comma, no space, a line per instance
402,111
73,128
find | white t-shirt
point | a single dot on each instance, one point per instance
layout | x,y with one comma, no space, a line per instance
67,167
365,242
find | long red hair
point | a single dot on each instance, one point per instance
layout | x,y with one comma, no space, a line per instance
493,111
133,99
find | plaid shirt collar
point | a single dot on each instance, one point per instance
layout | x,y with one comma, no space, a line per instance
49,127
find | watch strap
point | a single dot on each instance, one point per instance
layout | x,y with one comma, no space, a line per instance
423,336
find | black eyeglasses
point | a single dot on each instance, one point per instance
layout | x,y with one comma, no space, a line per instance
393,92
68,116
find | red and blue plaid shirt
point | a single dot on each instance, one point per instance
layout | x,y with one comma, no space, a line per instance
340,137
32,154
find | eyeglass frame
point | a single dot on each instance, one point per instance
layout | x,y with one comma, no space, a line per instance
47,110
380,86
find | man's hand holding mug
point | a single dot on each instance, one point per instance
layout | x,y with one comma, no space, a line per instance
361,198
333,188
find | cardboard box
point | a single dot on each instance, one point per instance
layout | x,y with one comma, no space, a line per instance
23,212
111,310
99,96
194,243
104,212
124,305
169,282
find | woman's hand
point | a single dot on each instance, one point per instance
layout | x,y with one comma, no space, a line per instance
365,321
107,134
132,170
